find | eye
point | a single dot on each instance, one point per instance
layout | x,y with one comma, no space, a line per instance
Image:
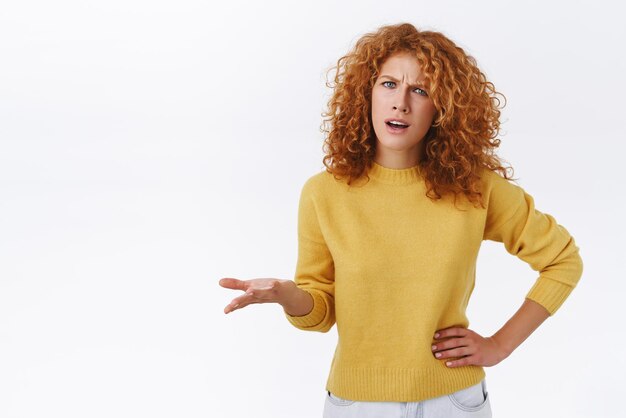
420,91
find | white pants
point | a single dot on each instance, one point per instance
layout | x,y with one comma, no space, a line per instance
471,402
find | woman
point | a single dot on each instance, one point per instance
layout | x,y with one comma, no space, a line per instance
389,233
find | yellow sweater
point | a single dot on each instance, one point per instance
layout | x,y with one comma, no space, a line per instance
390,267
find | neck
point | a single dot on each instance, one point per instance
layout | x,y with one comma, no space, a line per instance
389,158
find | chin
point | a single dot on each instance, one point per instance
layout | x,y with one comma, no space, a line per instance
397,143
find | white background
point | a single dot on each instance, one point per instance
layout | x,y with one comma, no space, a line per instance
150,148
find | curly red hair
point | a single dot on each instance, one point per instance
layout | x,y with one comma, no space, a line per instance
462,140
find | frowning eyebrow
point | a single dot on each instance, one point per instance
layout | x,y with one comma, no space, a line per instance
396,80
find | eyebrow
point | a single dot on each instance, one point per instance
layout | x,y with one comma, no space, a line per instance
396,80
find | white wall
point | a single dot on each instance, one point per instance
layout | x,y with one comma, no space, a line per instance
150,148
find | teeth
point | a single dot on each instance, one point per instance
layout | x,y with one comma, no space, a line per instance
393,122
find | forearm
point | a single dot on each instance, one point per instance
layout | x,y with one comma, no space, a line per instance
296,302
526,320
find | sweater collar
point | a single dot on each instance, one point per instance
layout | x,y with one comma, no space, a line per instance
395,175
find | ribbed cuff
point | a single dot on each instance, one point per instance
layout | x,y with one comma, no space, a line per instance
314,317
549,293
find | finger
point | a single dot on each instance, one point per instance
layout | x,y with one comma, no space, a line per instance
232,283
233,306
465,361
257,295
240,302
450,343
451,332
455,352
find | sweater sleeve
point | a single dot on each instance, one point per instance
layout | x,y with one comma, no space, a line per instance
534,237
315,271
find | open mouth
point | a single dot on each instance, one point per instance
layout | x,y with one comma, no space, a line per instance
398,126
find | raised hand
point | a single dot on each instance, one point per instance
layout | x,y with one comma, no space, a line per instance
256,291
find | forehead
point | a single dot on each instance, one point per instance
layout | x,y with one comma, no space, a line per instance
402,66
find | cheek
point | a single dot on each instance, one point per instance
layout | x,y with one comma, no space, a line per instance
428,110
379,101
431,108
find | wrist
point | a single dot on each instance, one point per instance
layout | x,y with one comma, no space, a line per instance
285,292
504,348
295,301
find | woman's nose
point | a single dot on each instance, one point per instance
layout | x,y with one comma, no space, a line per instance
401,102
403,108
